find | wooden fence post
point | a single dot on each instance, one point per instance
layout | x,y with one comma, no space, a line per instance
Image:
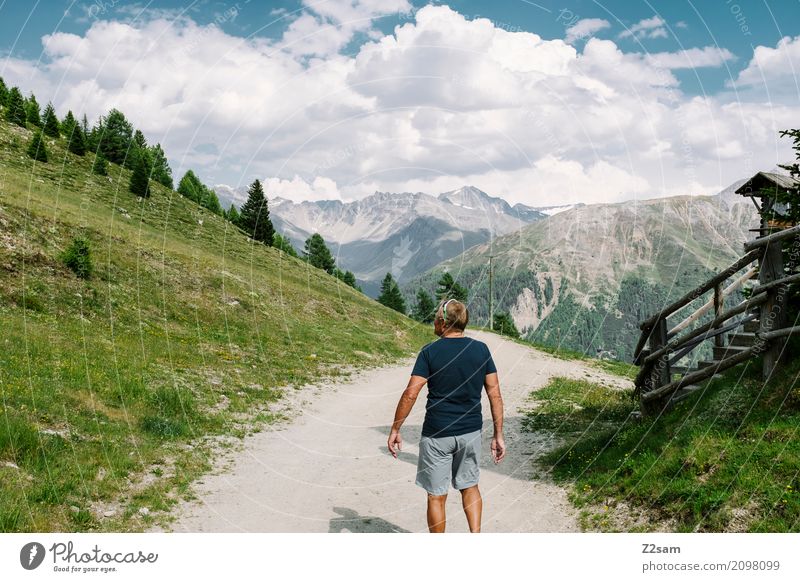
660,374
719,298
773,311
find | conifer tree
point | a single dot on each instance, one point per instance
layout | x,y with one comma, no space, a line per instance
254,215
76,140
139,140
112,136
68,123
100,165
36,147
51,125
504,324
140,183
350,279
425,308
160,171
390,295
283,243
15,107
32,112
317,253
3,92
449,289
192,188
232,215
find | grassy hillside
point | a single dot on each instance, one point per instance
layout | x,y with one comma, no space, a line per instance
114,388
725,459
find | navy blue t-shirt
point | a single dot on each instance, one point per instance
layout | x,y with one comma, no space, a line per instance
456,368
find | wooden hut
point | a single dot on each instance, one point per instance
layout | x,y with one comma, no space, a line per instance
762,190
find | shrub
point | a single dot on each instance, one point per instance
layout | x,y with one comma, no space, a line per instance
78,258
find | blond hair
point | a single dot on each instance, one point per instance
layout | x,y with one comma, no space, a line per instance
457,314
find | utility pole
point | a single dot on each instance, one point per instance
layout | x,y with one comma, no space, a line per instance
491,295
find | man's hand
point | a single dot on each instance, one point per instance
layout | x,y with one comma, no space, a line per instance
498,448
395,443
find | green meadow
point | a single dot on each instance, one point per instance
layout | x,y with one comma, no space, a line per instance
116,391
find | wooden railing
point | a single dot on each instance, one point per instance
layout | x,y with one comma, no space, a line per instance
654,383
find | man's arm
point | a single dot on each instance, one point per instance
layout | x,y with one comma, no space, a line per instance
404,406
492,386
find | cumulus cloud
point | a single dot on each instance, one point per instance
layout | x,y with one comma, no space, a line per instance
693,58
778,66
654,27
442,101
326,26
585,28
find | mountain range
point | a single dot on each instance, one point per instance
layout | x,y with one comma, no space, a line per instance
402,233
585,277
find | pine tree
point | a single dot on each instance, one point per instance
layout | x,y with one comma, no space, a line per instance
161,172
76,140
281,242
139,140
77,143
32,112
318,254
85,127
350,279
100,165
112,136
254,215
390,295
15,107
504,324
51,125
233,215
192,188
68,123
3,92
448,289
140,183
36,147
425,308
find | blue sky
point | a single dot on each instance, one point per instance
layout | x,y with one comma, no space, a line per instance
738,26
625,92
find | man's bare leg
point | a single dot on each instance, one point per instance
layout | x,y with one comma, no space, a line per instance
473,507
436,517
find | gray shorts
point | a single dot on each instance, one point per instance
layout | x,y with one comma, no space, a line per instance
443,460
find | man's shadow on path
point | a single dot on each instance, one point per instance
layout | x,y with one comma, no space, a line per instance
351,521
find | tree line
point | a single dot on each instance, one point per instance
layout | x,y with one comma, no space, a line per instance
113,139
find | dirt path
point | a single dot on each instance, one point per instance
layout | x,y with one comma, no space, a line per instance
328,470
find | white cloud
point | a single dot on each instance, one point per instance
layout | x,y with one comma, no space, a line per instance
585,28
779,65
654,27
327,26
441,102
298,189
693,58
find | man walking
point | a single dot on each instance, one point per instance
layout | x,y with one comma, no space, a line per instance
456,368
